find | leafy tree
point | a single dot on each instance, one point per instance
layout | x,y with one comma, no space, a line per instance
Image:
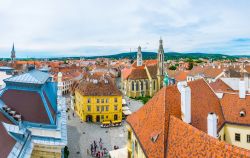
190,66
172,67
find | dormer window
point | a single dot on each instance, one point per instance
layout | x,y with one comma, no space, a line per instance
154,138
242,113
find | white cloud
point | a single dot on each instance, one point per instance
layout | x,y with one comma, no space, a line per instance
85,27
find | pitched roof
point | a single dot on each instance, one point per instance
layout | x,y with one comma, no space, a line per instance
212,72
6,141
220,86
89,88
247,68
28,104
204,103
34,77
232,105
138,73
187,141
152,69
161,117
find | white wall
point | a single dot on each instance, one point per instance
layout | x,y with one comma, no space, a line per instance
3,76
232,82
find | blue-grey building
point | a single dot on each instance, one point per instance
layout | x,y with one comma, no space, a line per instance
32,117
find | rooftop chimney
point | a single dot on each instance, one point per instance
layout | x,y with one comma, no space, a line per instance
242,89
186,104
212,124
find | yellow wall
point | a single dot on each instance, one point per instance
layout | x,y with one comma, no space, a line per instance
230,130
104,114
132,151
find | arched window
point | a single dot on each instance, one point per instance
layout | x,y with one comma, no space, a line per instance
137,86
142,86
146,83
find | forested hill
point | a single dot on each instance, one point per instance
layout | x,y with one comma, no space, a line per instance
168,55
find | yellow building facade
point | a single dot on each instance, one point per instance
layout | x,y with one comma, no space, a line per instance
133,145
98,108
238,135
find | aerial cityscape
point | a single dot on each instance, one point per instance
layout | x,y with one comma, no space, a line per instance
125,79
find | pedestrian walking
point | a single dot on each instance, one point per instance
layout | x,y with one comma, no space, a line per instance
88,152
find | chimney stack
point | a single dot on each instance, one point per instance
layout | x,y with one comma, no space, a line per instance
212,124
242,89
186,103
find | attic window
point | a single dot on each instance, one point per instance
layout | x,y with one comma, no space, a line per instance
242,113
154,138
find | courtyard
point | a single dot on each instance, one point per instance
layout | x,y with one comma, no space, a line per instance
81,134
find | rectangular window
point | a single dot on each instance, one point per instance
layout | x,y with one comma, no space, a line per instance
237,137
248,138
115,107
129,135
102,117
98,100
107,108
97,108
136,146
89,100
115,100
102,100
102,108
89,108
107,100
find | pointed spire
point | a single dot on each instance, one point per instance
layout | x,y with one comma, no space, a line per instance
13,53
13,47
139,56
161,49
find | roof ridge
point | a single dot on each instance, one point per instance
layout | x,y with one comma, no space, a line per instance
165,135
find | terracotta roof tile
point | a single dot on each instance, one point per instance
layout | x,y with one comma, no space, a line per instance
162,114
89,88
220,86
232,105
6,141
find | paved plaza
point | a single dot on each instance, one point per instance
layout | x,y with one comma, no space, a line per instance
82,134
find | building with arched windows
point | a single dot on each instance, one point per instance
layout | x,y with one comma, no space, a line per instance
144,78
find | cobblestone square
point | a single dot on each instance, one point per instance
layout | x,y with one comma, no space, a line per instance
82,134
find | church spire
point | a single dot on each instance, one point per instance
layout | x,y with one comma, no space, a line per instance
139,57
13,54
160,58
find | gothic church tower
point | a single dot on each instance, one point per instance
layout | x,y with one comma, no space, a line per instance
160,64
139,57
13,54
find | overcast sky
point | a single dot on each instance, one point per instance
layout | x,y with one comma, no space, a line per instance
49,28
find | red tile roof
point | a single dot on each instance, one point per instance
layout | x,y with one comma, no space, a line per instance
161,117
187,141
232,105
6,141
220,86
204,101
89,88
28,104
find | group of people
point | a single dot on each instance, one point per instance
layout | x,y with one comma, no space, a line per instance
97,150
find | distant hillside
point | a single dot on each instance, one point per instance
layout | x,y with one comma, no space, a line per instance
168,55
